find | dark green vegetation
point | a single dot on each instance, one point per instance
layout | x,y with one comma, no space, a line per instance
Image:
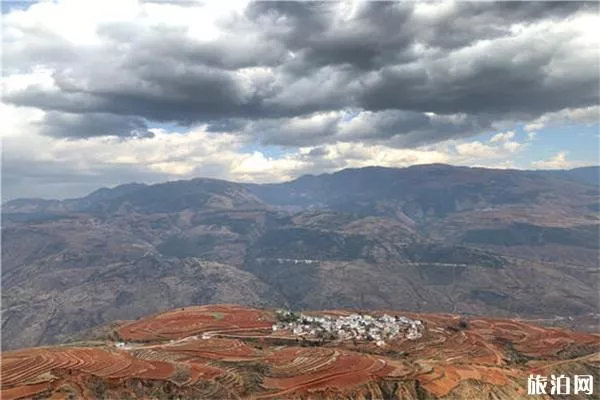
287,316
428,238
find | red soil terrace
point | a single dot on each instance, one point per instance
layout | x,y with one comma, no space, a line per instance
225,351
189,321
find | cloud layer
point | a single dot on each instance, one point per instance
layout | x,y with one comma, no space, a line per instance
317,78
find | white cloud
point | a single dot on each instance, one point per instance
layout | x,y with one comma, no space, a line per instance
362,155
511,146
202,19
501,145
476,149
585,115
534,126
502,137
558,161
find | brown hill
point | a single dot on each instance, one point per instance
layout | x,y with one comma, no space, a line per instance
226,351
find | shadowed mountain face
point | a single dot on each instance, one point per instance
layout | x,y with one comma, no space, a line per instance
430,238
428,192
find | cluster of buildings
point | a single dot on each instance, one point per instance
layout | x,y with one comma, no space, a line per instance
351,327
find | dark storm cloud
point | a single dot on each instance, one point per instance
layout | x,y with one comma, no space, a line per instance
375,35
410,129
162,91
472,21
279,64
64,125
381,33
226,125
318,152
511,80
304,131
240,48
531,10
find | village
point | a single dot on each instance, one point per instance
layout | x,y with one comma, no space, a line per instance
358,327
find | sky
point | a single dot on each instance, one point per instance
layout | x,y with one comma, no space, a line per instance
101,93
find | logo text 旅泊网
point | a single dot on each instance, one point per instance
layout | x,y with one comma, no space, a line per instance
560,385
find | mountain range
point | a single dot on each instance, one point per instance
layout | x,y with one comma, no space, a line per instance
432,238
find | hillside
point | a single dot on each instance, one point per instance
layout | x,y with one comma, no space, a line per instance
425,239
230,352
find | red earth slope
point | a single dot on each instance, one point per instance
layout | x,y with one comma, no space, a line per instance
227,351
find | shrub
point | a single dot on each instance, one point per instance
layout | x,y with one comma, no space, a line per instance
287,316
181,374
97,387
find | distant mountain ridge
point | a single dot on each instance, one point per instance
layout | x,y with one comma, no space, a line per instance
587,175
173,196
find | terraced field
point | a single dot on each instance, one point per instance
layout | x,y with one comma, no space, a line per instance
42,370
225,351
190,321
